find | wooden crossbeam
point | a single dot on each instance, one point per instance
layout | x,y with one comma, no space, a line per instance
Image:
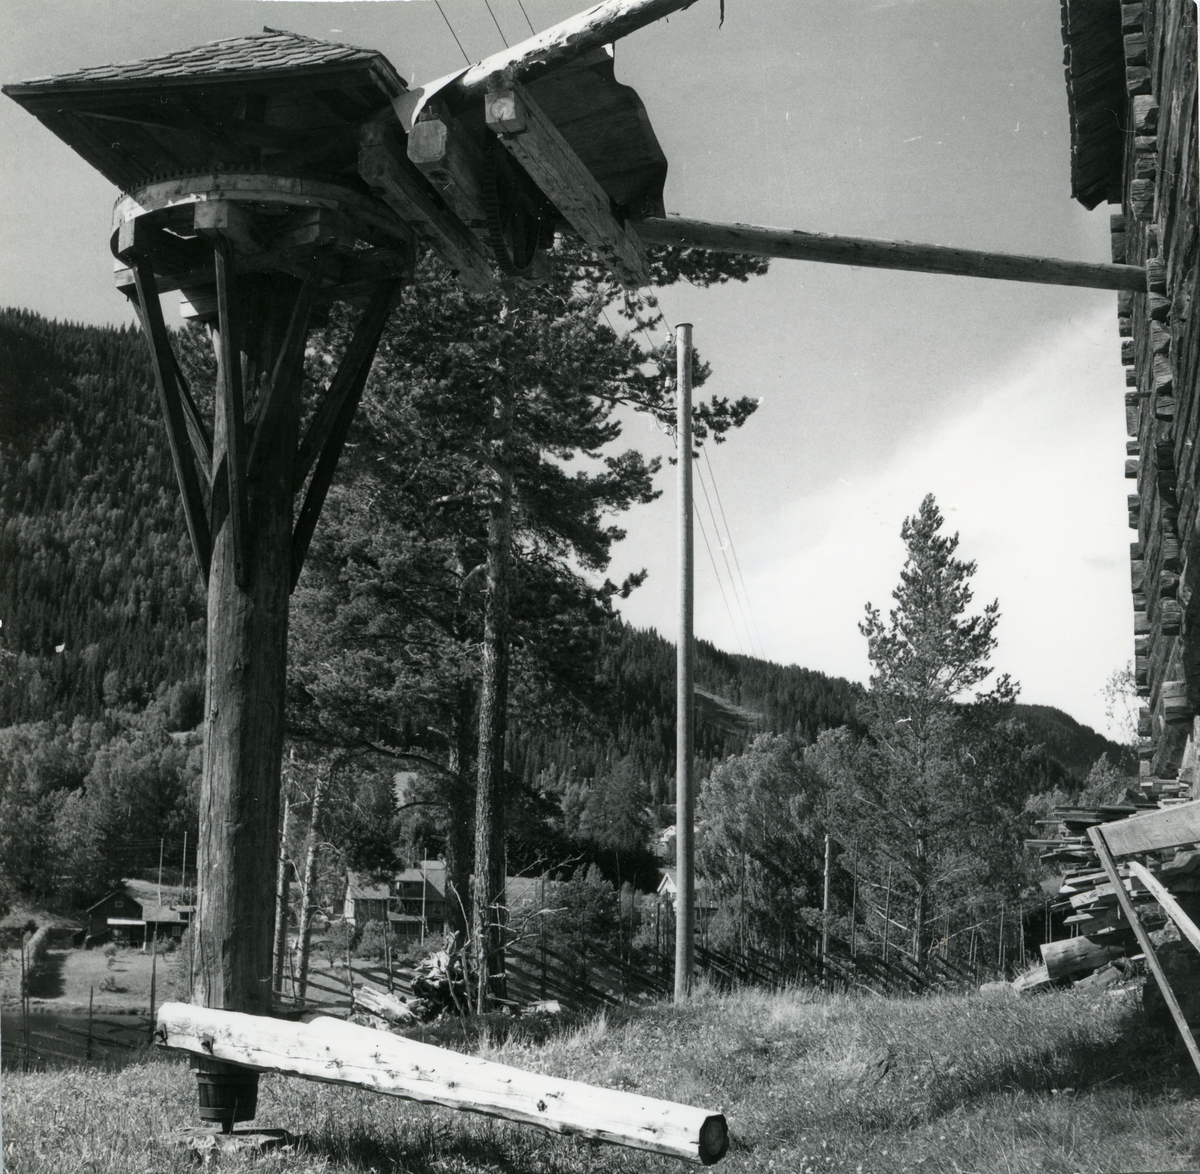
284,375
400,185
182,455
794,245
231,403
536,143
357,364
452,163
337,1052
1098,836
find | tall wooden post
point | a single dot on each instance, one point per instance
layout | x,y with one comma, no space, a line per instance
825,907
685,911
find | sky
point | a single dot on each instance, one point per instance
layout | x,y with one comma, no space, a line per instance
942,121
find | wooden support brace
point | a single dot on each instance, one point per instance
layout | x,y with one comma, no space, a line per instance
536,143
401,186
284,374
224,220
182,455
336,1052
232,405
452,163
202,448
1186,925
1099,839
794,245
356,363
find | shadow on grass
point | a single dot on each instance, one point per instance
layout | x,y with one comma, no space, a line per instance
1142,1059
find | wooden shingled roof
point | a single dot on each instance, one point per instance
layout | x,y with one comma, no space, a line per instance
272,101
1094,59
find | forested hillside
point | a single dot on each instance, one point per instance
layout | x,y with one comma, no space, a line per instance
102,652
99,601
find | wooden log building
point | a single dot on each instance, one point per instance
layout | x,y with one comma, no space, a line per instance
1131,89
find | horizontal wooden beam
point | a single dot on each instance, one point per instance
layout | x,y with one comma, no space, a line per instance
599,25
536,143
1168,827
794,245
336,1052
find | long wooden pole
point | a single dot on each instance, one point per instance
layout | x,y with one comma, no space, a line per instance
794,245
825,907
685,910
341,1053
1096,835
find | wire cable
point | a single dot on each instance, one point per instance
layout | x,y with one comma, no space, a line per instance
526,16
728,569
728,610
452,32
733,550
488,4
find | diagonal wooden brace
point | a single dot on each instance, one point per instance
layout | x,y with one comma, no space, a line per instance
232,406
536,143
1096,834
183,455
356,364
284,375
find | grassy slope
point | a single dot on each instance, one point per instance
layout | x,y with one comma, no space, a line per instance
1064,1082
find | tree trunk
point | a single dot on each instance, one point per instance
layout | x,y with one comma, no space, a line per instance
306,889
493,704
921,908
282,888
245,673
458,830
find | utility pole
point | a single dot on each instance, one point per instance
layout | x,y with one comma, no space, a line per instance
825,910
685,908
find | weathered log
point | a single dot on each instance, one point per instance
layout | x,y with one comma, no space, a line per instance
342,1053
383,1004
600,25
1080,955
792,244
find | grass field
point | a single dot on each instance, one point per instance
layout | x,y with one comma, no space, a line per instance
1060,1083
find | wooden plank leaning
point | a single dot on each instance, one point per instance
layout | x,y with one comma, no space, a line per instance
336,1052
1099,839
1171,907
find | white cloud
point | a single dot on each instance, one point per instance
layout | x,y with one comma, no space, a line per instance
1032,478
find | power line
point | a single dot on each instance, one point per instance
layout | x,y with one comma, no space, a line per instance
526,16
725,557
733,550
488,4
452,32
728,610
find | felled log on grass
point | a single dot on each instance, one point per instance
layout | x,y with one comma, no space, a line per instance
1078,956
342,1053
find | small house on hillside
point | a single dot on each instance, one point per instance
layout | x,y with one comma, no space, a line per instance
115,917
120,917
365,901
668,890
421,900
